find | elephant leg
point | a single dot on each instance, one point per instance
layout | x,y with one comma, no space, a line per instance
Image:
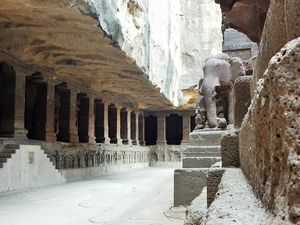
211,109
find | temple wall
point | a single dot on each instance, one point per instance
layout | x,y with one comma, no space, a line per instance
169,40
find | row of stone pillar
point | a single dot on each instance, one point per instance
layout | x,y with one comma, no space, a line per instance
50,133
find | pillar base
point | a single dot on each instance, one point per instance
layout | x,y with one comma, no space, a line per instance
51,137
74,138
20,134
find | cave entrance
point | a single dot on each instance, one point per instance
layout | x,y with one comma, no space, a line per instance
83,117
150,130
62,112
124,126
99,121
112,123
133,127
36,106
7,99
174,129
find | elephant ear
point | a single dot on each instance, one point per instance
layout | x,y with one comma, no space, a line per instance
237,68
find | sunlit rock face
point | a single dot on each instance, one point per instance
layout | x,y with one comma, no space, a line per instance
168,39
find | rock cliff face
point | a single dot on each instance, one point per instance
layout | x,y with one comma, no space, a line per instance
169,40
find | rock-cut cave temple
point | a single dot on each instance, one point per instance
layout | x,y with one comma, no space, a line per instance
150,112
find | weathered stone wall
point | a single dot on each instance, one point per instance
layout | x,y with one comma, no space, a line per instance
269,137
282,25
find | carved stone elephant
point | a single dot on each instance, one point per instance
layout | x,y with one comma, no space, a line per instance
220,72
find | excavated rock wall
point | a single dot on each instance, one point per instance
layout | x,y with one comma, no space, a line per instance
169,40
282,25
269,137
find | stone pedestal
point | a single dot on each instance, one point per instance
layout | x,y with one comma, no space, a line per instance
204,148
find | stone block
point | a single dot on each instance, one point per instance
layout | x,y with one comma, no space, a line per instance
206,137
230,149
188,184
242,99
199,162
214,177
195,151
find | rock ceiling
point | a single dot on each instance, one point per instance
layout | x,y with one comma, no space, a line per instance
54,35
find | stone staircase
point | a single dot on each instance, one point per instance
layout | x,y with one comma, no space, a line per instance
204,149
6,153
200,159
24,167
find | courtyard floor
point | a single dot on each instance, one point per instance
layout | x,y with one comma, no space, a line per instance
141,197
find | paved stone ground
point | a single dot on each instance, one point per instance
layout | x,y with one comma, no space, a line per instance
142,197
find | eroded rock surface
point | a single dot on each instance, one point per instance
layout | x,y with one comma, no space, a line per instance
168,39
281,26
269,137
247,16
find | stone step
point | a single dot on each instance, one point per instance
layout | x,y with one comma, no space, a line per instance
201,154
199,162
5,155
204,149
209,137
11,146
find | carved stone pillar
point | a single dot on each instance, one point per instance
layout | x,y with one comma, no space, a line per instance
119,140
161,128
73,117
186,123
107,139
141,129
124,129
50,123
137,127
129,126
19,126
92,138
